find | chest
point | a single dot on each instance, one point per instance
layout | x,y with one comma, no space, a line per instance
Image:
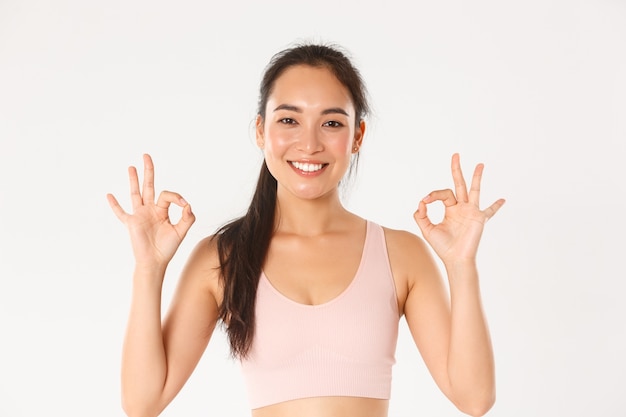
326,317
313,271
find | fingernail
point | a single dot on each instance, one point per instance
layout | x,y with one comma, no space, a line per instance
183,202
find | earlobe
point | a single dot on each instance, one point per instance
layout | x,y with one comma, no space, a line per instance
260,137
358,137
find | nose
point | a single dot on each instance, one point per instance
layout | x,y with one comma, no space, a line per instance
310,140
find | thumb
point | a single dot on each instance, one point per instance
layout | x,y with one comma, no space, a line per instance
185,222
421,218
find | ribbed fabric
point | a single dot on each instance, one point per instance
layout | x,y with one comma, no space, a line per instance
345,347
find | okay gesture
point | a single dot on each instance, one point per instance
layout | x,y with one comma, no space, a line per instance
456,237
153,236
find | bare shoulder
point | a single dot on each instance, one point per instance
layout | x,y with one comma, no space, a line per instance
204,254
411,262
203,267
405,246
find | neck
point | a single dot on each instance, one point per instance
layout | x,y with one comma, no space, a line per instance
309,217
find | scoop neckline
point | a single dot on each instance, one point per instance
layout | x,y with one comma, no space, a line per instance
355,277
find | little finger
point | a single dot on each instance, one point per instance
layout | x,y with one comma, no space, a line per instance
493,209
117,209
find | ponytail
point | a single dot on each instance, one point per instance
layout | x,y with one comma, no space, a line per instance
242,247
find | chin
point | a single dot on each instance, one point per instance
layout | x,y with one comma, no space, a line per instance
311,194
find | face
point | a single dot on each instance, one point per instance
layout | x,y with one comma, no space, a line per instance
308,135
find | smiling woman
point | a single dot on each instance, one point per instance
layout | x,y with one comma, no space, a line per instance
311,130
310,294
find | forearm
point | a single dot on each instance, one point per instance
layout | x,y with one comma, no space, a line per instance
470,360
144,364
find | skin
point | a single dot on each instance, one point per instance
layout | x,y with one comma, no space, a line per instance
310,119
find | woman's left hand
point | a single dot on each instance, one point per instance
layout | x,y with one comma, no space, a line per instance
456,238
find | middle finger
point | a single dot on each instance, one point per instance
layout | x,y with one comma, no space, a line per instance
148,179
459,182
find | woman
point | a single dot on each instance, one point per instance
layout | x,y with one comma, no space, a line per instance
309,293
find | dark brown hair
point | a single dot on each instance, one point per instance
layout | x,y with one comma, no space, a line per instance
243,243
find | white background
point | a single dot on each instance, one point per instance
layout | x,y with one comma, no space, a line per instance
536,90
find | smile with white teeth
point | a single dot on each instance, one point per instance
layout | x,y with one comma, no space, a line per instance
306,167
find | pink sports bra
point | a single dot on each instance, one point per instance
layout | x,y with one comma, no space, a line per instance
345,347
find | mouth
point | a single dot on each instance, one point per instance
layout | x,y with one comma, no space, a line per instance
307,166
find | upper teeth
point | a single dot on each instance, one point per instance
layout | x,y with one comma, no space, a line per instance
307,167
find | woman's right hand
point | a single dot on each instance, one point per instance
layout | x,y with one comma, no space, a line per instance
153,236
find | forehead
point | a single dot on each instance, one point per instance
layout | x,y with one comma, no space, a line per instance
310,86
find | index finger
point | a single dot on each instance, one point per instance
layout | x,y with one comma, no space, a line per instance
148,179
459,182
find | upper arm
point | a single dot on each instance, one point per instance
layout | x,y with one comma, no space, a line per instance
191,317
424,300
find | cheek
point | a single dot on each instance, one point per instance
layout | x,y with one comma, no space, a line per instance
342,144
276,142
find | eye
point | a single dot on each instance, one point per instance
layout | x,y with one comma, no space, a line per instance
333,123
287,121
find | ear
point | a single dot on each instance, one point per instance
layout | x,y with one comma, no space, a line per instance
358,137
260,133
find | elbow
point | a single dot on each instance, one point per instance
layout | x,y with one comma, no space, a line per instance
135,409
477,406
132,411
141,402
137,412
474,396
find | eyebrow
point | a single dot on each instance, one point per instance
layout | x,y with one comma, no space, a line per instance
332,110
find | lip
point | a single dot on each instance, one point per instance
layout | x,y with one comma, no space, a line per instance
308,174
